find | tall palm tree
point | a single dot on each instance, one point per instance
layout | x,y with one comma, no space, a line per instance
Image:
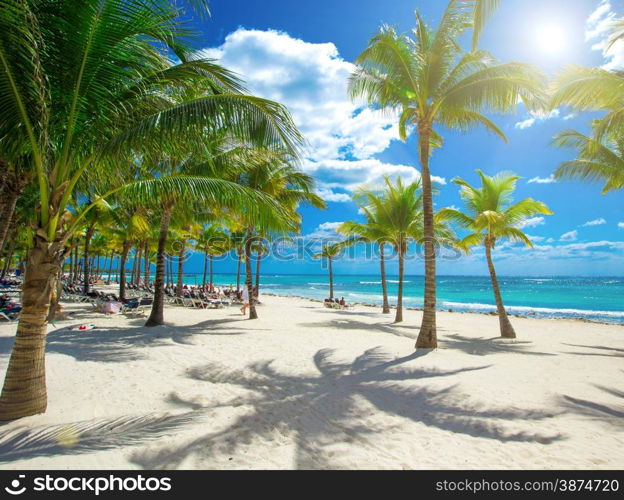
399,212
370,231
429,81
598,159
329,252
91,98
276,174
490,217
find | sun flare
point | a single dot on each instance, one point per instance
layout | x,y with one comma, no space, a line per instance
551,39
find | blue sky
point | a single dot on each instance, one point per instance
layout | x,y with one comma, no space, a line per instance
300,53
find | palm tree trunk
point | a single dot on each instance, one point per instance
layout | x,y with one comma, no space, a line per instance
427,337
24,391
384,285
146,262
331,279
157,315
96,266
55,299
399,310
122,270
87,270
248,275
110,265
506,329
136,266
205,270
258,259
238,266
181,269
11,193
9,256
211,259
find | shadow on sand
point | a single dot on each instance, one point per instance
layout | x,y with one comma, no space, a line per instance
608,352
482,347
82,437
333,406
613,414
120,344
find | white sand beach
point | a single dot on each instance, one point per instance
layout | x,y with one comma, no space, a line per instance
305,387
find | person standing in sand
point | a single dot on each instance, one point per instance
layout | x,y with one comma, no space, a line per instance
245,300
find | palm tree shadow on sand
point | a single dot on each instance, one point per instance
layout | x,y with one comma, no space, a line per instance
611,414
83,437
316,412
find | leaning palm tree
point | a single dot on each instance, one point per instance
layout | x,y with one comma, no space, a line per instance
490,217
97,97
427,80
329,252
597,159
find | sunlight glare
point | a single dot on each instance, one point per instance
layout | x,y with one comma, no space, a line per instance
551,39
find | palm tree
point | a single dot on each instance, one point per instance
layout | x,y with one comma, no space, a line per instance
276,174
329,252
598,159
213,242
91,98
399,212
370,231
490,217
592,89
428,81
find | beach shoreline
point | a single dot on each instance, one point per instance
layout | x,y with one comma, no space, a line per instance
452,311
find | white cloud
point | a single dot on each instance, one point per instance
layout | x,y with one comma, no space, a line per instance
535,239
311,80
595,222
325,231
332,196
532,222
593,250
525,124
598,29
570,116
348,175
537,116
570,236
621,225
542,180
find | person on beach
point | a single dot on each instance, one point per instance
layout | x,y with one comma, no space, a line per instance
245,295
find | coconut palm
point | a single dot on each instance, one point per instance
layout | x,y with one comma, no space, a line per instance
592,89
276,174
598,159
370,231
429,81
490,216
90,98
212,242
329,252
399,211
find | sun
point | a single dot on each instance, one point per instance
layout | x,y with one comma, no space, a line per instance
551,39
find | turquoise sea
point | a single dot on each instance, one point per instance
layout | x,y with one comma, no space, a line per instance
595,298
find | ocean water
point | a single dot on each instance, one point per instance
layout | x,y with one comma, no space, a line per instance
594,299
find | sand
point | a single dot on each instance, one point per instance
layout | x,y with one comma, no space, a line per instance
305,387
